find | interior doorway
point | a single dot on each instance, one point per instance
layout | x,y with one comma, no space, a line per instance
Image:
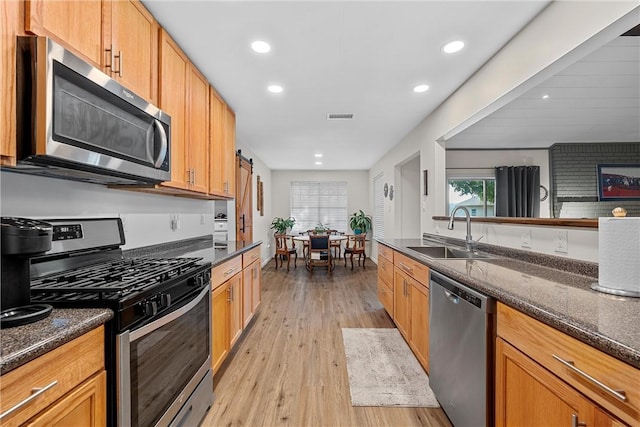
407,198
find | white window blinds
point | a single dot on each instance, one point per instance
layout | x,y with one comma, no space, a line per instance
378,206
314,202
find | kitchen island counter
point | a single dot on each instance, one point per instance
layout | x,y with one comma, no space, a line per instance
561,299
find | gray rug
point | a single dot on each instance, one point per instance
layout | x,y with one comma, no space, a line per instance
383,371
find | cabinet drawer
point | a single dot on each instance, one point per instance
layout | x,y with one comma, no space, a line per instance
385,271
250,256
413,268
56,372
225,271
577,363
385,295
385,251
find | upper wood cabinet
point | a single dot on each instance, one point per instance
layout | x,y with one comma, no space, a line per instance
184,95
120,37
174,72
133,47
223,147
9,28
75,24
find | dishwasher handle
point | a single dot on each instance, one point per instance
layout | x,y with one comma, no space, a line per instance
451,297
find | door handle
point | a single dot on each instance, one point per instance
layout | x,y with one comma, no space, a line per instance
242,219
164,144
119,70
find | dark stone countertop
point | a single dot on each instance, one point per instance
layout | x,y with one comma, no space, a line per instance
561,299
21,344
201,247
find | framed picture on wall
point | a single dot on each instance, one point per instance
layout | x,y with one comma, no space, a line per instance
619,181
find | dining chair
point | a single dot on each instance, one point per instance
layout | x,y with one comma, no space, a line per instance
355,246
336,245
283,250
305,243
319,254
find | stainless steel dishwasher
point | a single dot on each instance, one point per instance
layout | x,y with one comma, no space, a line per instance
461,342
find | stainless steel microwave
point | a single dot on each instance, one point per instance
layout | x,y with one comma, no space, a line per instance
76,122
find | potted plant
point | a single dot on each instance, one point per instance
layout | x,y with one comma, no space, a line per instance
282,225
360,222
320,228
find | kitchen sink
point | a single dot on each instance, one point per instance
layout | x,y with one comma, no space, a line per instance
443,252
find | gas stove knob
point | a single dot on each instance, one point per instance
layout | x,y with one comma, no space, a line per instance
150,308
165,300
197,281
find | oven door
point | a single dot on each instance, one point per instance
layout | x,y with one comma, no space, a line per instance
161,364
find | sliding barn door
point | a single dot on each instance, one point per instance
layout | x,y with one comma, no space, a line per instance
244,198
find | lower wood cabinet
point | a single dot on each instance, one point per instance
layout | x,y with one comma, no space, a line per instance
70,382
411,313
236,294
545,377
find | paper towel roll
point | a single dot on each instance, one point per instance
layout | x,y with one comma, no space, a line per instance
619,256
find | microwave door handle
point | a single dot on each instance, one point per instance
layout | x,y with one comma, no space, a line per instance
163,147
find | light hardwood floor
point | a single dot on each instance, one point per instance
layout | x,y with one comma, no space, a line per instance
289,369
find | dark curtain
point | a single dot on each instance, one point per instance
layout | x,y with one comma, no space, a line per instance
518,191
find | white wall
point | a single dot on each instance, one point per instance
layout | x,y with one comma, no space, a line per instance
562,33
146,217
408,194
488,159
358,189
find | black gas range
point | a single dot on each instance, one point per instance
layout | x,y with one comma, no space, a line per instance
158,342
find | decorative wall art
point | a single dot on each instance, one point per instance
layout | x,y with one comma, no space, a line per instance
619,181
260,191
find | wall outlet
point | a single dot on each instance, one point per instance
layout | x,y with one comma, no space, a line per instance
202,219
174,222
525,239
561,242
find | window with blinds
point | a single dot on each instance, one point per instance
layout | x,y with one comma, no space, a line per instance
378,206
324,202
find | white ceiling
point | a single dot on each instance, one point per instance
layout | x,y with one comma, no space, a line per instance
597,99
360,57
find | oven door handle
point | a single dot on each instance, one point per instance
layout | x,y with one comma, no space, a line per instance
134,335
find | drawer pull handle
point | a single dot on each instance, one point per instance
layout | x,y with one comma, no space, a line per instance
229,271
620,394
406,268
575,422
37,391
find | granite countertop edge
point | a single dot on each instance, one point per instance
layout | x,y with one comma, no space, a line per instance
581,331
23,344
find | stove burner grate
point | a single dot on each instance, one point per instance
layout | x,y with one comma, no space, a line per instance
113,279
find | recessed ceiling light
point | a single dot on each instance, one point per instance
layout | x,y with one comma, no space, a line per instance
453,47
274,88
421,88
545,96
317,155
318,163
260,46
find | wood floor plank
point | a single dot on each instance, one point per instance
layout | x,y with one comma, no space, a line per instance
289,369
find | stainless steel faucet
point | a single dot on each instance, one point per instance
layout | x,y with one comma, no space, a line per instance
468,240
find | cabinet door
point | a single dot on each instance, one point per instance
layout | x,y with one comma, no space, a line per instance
218,158
198,132
219,325
134,48
401,307
256,285
529,395
230,151
76,24
235,309
603,419
419,332
84,406
247,289
174,68
9,16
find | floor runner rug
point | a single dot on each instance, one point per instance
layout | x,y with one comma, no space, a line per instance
383,371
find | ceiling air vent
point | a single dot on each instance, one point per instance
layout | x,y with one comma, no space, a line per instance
337,116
